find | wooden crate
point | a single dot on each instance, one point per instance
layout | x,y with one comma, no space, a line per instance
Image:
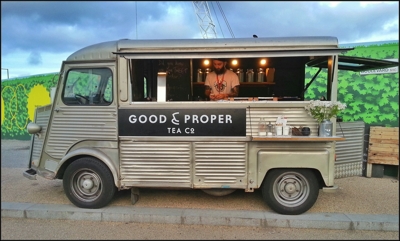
383,145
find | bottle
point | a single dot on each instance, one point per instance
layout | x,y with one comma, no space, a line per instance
260,75
250,75
208,70
262,127
270,129
200,76
240,74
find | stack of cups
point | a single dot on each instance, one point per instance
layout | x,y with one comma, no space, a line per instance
279,130
286,130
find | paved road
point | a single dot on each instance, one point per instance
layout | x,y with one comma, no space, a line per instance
260,219
35,229
359,204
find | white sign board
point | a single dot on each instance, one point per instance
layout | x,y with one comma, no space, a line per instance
391,70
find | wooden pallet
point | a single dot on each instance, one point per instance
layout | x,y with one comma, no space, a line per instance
383,145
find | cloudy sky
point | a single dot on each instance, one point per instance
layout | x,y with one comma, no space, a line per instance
36,36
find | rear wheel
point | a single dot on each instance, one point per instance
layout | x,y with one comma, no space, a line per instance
290,191
88,183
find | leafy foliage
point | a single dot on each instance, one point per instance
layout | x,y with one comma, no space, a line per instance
15,95
373,98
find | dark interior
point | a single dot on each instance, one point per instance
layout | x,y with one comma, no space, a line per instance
183,83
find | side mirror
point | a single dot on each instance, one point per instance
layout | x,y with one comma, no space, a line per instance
33,128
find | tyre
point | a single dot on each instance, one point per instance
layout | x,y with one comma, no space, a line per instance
88,183
218,192
290,191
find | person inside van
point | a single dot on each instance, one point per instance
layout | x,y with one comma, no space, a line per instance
221,83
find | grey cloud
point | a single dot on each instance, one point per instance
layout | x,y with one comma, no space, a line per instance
66,26
347,21
35,58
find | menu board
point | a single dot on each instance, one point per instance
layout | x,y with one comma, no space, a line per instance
178,78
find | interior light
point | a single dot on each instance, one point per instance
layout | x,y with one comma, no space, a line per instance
234,62
263,61
206,62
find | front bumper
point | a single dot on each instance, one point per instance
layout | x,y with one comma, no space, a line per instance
30,174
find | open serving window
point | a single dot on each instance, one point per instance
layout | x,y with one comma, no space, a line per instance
282,68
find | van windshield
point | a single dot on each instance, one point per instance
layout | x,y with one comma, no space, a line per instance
88,87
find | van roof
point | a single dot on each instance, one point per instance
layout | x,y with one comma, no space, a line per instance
166,47
316,46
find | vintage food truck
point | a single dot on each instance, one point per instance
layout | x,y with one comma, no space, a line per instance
131,114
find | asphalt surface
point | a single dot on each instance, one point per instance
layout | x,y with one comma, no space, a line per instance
360,203
340,221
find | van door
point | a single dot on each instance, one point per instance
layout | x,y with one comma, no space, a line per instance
85,110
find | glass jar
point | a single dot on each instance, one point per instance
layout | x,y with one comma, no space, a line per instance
262,127
250,75
270,129
260,75
240,74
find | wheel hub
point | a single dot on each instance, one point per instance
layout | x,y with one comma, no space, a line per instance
87,184
290,188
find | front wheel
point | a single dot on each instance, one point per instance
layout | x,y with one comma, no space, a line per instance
290,191
88,183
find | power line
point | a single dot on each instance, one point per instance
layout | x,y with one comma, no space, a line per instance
226,20
217,20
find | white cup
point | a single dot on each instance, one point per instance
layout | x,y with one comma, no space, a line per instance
286,130
278,130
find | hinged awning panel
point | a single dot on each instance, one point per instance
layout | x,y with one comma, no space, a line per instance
217,53
356,64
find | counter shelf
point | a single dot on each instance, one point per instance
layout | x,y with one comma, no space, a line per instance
298,138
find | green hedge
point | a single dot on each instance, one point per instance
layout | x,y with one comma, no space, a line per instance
14,94
373,99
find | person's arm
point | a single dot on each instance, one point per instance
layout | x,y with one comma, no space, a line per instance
234,92
207,91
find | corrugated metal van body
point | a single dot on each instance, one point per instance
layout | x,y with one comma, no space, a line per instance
350,153
42,116
73,124
189,162
183,164
71,128
220,161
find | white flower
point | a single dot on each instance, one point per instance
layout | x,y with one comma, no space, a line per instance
324,110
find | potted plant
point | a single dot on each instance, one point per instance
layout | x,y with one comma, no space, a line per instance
323,111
